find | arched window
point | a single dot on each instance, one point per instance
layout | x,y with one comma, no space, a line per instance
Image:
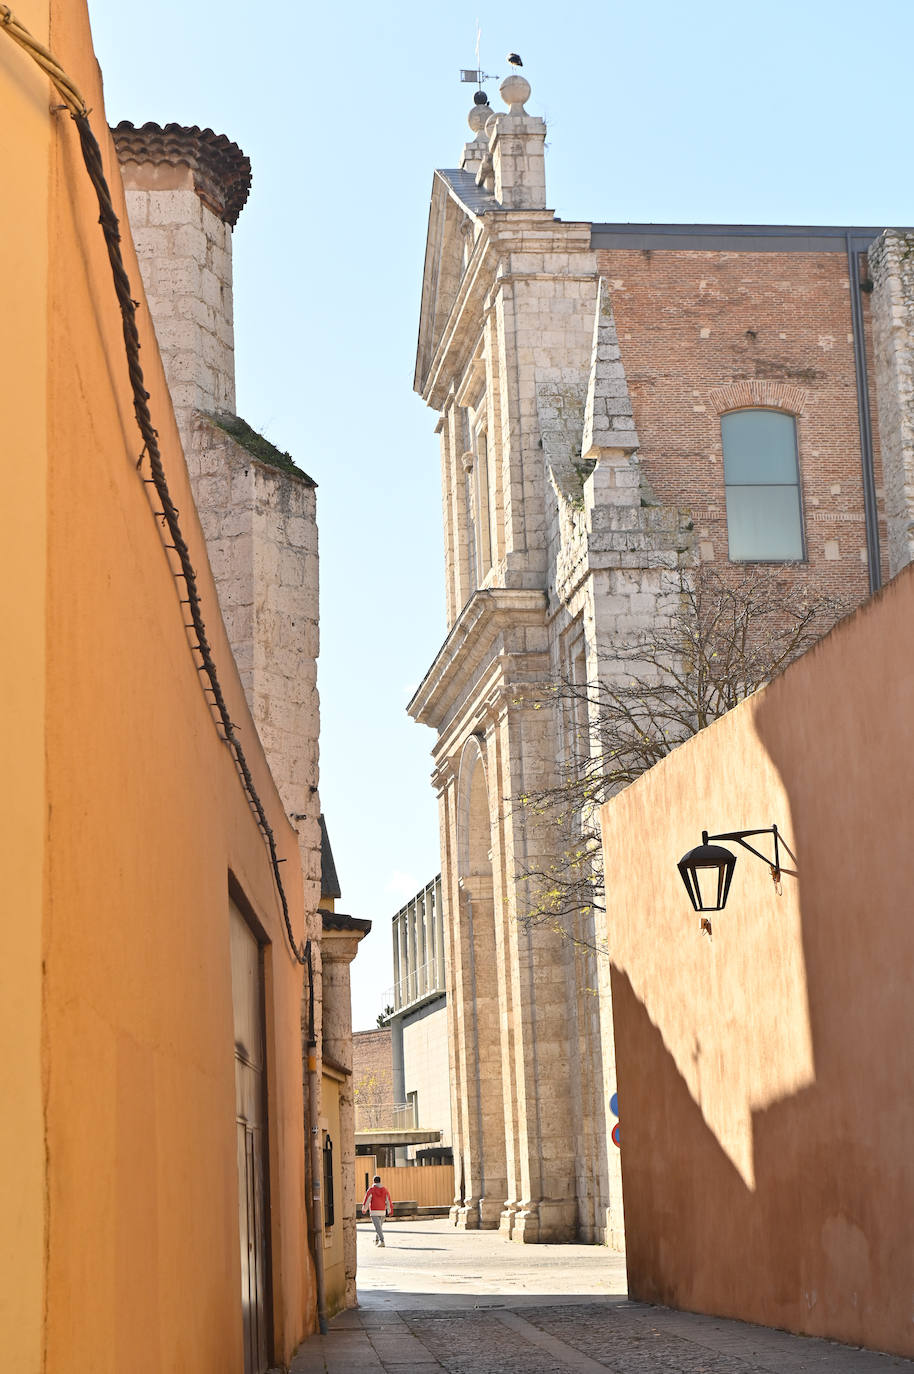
764,516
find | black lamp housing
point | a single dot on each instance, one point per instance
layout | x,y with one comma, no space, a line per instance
718,863
715,862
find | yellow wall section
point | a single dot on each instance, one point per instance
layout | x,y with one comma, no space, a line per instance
23,424
334,1263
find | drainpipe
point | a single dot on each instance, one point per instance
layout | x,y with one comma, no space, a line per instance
317,1210
870,512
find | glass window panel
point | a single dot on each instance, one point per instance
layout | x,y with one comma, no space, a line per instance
763,523
759,446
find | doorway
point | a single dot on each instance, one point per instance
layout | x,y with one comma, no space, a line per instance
251,1129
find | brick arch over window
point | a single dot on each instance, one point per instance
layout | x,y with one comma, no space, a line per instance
752,395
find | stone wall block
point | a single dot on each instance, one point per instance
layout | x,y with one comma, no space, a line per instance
151,241
210,288
189,241
137,207
172,277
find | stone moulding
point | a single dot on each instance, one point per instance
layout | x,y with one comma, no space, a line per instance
221,171
471,639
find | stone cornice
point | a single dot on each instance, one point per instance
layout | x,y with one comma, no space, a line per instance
221,171
464,322
502,232
471,640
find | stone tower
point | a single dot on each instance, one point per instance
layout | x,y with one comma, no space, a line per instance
185,189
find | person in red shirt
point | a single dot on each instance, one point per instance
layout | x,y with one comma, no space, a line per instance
378,1204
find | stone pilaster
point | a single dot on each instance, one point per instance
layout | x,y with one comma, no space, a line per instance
339,945
516,143
892,266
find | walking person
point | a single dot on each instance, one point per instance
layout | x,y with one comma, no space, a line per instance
378,1204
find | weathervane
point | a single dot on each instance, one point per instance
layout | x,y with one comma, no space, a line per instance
475,74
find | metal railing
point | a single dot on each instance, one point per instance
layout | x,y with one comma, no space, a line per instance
386,1116
425,981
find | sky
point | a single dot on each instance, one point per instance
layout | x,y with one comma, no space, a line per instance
702,113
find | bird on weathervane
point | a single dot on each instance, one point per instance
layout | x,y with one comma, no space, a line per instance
514,59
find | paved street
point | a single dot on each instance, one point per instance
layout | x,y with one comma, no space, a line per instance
470,1303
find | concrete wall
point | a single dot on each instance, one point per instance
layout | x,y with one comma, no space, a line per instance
122,1233
425,1061
766,1082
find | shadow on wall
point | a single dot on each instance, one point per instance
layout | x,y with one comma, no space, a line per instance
814,1235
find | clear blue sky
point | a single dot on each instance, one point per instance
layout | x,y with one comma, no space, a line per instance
783,113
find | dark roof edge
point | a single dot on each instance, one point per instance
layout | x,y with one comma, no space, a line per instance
330,883
337,920
745,238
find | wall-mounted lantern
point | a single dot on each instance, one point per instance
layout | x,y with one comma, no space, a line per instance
707,870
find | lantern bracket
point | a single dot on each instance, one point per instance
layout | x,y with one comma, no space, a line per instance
740,837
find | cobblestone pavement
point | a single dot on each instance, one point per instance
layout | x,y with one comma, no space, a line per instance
437,1300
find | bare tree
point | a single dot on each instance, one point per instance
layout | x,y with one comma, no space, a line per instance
368,1097
725,637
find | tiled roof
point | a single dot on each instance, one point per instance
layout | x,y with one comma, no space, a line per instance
222,172
336,920
463,184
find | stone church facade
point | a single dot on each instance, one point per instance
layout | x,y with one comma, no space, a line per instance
583,375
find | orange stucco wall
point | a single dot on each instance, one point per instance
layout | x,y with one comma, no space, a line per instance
126,820
766,1076
23,514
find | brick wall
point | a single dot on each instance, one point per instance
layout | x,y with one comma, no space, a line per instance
701,332
372,1067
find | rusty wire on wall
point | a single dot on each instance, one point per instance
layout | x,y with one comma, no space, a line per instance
92,157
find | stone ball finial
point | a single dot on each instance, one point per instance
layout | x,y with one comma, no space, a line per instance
477,118
515,91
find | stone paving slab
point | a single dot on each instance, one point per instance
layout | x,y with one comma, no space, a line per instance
485,1306
596,1338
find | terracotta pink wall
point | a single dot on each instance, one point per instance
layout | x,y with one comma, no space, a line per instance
766,1075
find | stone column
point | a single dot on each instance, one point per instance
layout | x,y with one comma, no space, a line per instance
485,1155
396,935
546,1209
339,945
891,260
